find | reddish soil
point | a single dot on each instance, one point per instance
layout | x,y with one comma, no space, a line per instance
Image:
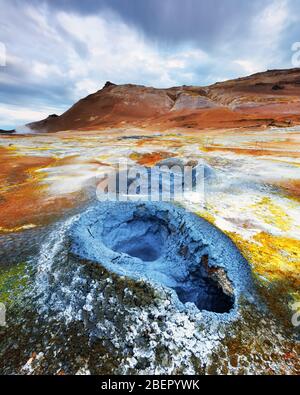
22,198
264,99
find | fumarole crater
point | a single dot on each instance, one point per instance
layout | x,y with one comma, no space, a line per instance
165,245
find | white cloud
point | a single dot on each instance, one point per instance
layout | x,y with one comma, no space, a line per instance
262,48
271,22
44,70
120,53
15,115
68,54
266,34
248,66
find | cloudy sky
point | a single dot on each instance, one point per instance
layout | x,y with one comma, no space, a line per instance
59,51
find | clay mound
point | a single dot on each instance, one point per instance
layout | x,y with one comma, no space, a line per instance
271,98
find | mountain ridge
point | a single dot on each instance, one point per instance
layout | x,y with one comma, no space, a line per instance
270,98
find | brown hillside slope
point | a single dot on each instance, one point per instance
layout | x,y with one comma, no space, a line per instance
270,98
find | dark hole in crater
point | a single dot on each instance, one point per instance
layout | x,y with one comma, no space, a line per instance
143,239
206,295
205,287
145,252
150,239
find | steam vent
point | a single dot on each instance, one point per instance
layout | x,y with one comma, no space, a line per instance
165,245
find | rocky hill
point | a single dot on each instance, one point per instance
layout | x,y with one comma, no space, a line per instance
271,98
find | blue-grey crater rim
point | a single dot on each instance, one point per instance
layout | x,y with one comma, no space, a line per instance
167,246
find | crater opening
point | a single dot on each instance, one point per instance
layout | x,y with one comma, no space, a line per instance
205,294
149,239
210,298
166,245
140,238
142,250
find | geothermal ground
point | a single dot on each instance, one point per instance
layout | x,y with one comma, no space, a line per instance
180,287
